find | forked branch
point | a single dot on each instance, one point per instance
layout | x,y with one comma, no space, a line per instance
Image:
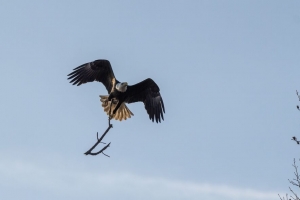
295,139
295,182
99,140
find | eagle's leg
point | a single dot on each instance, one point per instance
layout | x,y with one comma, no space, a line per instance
117,107
109,112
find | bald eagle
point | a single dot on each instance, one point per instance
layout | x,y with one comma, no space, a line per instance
120,93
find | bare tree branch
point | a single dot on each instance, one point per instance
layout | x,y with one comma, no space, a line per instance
297,179
89,152
282,198
298,95
99,140
296,197
298,99
295,139
295,182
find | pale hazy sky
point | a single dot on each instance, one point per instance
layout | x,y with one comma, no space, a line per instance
227,70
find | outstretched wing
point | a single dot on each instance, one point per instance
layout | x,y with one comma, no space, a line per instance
98,70
147,91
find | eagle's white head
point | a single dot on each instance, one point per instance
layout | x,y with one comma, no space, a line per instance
122,87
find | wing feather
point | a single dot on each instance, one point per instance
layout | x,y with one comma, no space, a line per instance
147,92
98,70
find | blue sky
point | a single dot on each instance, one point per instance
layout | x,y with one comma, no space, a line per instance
227,70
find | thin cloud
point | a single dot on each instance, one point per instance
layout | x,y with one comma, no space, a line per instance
79,183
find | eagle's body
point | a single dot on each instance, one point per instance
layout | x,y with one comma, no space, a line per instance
120,93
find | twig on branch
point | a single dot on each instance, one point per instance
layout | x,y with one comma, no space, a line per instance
297,179
89,152
286,197
298,95
298,98
296,196
295,182
295,139
99,140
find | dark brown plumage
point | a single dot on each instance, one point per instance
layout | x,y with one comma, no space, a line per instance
146,91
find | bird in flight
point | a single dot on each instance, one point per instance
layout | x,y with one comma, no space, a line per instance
120,93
